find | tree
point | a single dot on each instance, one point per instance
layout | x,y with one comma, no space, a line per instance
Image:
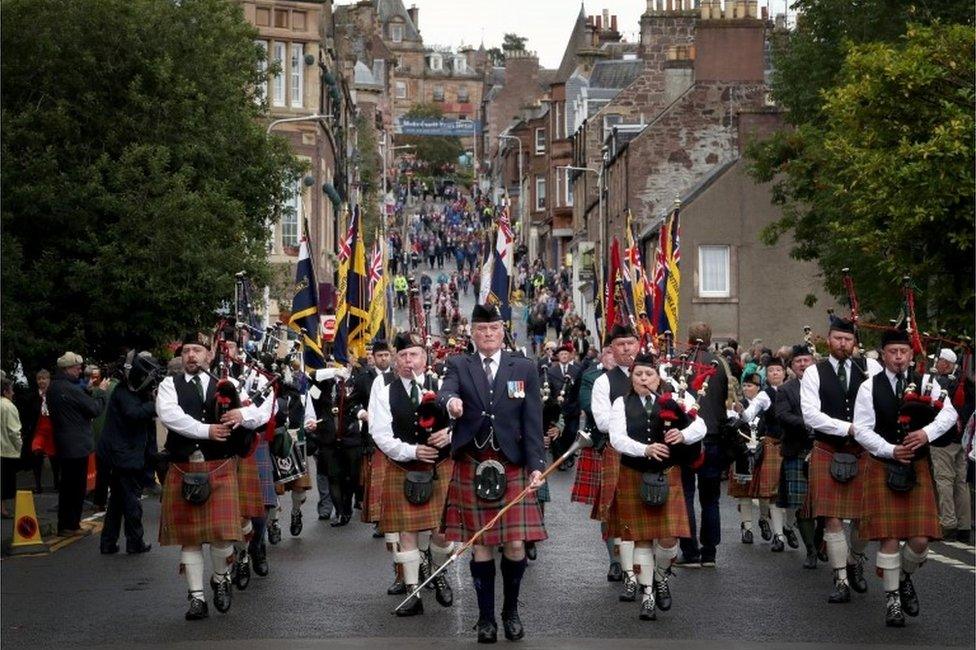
436,151
137,180
496,56
877,172
513,43
370,168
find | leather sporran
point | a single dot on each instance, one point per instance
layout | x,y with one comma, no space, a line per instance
490,481
654,488
900,478
843,467
418,487
195,487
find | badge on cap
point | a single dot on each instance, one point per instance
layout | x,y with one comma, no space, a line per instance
516,389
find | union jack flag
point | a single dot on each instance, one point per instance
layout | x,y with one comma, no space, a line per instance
345,246
375,267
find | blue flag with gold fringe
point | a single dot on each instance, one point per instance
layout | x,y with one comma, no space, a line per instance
304,317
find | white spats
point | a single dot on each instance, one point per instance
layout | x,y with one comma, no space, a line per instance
191,557
910,560
627,556
890,565
220,553
837,552
440,554
776,520
644,559
411,565
663,559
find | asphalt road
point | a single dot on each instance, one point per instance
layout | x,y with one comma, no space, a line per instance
327,587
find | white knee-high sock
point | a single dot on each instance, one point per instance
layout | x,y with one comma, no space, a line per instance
837,552
423,540
411,566
910,560
664,557
890,565
644,558
627,556
191,558
764,508
297,499
776,520
220,553
745,513
440,554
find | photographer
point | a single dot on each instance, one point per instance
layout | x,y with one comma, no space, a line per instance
129,428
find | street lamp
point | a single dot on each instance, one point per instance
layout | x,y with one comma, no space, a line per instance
521,193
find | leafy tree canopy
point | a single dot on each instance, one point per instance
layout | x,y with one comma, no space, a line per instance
137,179
877,174
436,151
513,43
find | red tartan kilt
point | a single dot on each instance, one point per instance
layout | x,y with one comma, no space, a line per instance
586,485
397,515
632,520
219,519
465,514
249,488
373,469
829,498
899,515
739,490
765,484
610,470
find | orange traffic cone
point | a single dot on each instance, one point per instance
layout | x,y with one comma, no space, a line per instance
27,531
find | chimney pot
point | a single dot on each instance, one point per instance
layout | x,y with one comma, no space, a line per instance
606,19
599,24
613,23
765,14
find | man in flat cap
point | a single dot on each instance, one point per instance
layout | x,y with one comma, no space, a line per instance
498,449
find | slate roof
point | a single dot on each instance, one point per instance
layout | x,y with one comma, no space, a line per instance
618,73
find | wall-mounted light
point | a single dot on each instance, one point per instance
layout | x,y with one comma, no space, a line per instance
309,59
308,181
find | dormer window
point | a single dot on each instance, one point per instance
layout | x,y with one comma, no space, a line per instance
396,32
436,62
460,64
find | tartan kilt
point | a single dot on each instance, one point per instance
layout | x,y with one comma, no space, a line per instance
828,498
792,484
465,514
543,495
739,490
303,482
217,520
373,469
262,454
899,515
249,488
397,515
589,469
632,520
609,473
765,483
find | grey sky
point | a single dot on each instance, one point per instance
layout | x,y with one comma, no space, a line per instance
546,23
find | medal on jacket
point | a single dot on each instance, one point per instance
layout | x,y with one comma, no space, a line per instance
516,389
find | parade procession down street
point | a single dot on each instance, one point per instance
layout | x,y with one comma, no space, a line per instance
321,326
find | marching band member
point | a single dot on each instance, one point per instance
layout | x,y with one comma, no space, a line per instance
416,476
741,489
895,425
837,462
647,503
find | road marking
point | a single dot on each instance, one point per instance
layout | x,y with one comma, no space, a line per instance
961,546
951,562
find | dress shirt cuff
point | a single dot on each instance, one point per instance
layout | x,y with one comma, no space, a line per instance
927,429
886,450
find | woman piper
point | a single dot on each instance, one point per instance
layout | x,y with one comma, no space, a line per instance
653,433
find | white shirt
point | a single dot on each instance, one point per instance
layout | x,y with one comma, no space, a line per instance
815,418
630,447
600,401
381,420
496,359
864,419
176,419
757,406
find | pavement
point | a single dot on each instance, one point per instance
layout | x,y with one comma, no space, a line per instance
327,588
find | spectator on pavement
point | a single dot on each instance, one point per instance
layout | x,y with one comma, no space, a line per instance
72,412
10,444
37,433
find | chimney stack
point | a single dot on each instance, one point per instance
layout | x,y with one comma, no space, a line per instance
414,14
613,23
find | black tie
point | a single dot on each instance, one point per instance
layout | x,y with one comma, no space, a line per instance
842,375
198,385
899,384
488,371
648,404
414,392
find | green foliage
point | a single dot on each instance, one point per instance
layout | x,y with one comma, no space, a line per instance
496,56
137,179
437,151
513,43
370,176
878,174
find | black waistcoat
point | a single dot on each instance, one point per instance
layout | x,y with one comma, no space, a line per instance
886,408
770,425
179,446
644,427
619,383
834,401
404,414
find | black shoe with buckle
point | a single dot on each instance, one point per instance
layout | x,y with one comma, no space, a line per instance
397,588
662,592
811,561
274,532
747,536
894,616
512,625
792,540
412,607
241,570
647,611
855,575
442,591
487,631
530,551
260,560
296,523
198,607
777,544
841,593
764,530
908,596
630,588
223,594
615,574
